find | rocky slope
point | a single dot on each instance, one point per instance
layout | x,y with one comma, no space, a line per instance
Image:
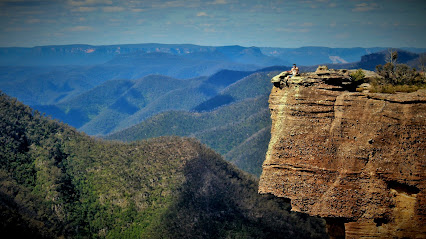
355,159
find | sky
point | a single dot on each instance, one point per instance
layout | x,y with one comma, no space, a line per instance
262,23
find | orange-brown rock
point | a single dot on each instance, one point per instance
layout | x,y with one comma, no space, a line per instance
355,159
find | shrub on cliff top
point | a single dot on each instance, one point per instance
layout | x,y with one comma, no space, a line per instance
392,89
397,78
399,74
358,76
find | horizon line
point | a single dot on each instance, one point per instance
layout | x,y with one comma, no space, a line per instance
192,44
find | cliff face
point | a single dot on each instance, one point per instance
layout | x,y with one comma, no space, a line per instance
355,159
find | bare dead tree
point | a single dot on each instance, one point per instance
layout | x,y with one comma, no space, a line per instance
422,62
391,56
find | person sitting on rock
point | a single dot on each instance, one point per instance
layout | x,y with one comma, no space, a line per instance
294,71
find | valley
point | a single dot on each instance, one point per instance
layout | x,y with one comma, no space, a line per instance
151,140
138,91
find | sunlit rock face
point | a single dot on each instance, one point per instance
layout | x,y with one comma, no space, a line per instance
356,159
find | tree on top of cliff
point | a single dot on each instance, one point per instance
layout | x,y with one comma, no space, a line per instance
397,77
391,56
422,62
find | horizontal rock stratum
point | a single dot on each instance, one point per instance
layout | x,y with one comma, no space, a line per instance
355,159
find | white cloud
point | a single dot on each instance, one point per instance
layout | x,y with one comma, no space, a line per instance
218,2
210,30
80,28
140,6
84,9
131,32
113,9
138,10
169,4
289,29
300,24
202,14
365,7
88,2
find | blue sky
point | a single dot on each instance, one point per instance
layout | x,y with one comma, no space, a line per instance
275,23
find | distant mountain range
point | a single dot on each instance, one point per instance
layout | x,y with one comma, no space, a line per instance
203,92
370,61
308,56
118,104
49,75
125,54
52,74
64,55
209,108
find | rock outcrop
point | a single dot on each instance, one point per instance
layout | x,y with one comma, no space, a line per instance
355,159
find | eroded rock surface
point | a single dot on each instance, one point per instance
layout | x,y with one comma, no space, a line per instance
355,159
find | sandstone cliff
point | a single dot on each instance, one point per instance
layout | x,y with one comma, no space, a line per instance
355,159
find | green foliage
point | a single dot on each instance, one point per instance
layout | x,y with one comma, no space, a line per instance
392,89
358,76
254,85
224,129
250,154
214,103
56,182
119,104
392,56
399,74
109,105
397,78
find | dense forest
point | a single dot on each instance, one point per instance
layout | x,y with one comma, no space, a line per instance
229,122
224,129
57,182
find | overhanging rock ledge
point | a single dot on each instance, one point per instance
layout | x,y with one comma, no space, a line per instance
355,159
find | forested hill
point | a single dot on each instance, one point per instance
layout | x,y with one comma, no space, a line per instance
55,181
235,122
